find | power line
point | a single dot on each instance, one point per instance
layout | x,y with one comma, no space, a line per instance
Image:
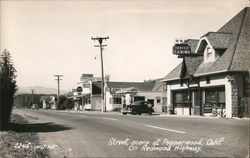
100,40
58,87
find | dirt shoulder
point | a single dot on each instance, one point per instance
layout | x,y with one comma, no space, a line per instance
16,143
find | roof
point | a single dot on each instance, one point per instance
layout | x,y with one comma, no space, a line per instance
191,65
233,38
219,40
128,90
188,67
241,58
141,86
192,43
159,85
175,73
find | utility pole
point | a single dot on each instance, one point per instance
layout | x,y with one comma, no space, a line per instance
58,79
100,40
32,92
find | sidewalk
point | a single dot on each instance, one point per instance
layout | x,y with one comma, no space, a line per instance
198,116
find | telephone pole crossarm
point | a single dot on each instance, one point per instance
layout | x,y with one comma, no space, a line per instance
58,79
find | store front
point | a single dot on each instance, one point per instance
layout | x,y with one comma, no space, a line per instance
182,102
214,102
210,100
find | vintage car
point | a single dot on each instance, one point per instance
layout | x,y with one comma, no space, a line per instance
138,107
35,107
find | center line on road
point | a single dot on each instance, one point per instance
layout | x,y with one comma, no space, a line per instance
166,129
107,118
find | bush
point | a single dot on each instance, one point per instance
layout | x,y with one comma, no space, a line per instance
68,104
7,88
65,103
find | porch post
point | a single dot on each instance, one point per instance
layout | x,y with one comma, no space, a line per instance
228,93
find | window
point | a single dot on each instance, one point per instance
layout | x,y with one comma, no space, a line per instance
158,100
208,80
211,96
209,52
117,100
221,98
215,97
178,97
182,98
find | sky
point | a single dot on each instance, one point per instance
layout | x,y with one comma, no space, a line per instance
54,37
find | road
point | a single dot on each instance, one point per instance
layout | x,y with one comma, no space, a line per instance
91,134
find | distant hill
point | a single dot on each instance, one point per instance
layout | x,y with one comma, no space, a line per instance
39,90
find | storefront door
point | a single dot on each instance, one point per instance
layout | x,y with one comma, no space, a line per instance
197,102
181,102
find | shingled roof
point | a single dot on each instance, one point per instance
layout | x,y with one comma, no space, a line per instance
219,40
233,38
175,73
192,43
236,56
141,86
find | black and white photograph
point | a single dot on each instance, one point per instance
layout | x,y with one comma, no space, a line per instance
124,78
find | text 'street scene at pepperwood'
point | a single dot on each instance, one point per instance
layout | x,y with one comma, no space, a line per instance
124,78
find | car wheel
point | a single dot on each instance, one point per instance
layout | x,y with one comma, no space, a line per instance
150,112
123,113
133,112
139,113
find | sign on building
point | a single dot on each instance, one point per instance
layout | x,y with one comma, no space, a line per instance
181,49
86,76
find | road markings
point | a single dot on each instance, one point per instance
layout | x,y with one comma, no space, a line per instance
166,129
107,118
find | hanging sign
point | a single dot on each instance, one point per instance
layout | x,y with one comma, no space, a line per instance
181,49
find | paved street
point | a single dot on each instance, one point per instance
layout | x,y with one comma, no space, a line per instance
91,134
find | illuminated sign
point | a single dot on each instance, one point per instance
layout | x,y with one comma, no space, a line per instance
181,49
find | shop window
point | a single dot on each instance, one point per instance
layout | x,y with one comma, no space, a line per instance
215,99
139,98
117,100
181,99
221,99
211,96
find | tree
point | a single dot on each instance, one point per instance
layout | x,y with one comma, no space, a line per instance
8,88
68,104
62,98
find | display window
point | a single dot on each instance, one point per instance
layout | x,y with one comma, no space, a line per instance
215,101
181,99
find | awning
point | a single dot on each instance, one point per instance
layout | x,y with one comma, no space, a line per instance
79,96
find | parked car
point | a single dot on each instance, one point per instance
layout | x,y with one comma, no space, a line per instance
138,107
35,107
